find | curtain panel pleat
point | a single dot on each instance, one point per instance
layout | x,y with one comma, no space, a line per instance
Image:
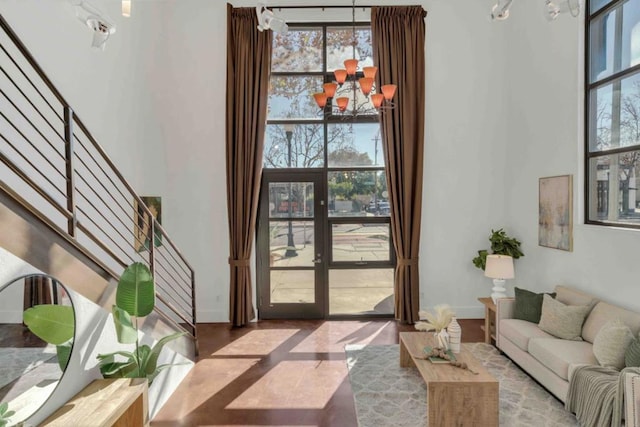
398,35
248,67
39,290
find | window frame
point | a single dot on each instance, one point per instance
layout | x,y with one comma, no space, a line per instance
325,121
615,78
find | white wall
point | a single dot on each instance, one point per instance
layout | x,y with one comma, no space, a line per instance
545,134
503,109
461,139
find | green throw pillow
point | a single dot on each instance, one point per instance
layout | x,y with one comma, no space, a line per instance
528,305
632,355
562,321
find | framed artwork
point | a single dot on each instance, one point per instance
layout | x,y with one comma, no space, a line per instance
143,223
555,212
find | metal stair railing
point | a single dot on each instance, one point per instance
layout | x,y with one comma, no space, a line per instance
52,165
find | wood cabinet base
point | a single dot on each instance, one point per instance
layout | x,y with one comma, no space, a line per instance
120,402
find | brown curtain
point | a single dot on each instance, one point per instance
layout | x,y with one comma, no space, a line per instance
39,290
398,51
248,66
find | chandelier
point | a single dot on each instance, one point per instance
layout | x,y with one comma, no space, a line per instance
350,75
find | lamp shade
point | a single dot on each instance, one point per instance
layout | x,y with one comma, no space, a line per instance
499,267
351,65
341,75
330,89
321,99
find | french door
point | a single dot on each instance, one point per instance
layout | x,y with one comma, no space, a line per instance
291,230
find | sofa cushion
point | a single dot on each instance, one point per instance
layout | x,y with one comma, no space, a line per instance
520,332
602,313
528,305
611,343
572,296
562,321
557,354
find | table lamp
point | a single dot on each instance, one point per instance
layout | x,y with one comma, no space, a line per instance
499,268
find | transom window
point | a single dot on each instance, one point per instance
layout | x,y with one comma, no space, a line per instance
613,113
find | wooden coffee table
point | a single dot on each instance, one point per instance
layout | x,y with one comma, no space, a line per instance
455,397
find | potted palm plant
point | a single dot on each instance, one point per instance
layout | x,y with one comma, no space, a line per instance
135,298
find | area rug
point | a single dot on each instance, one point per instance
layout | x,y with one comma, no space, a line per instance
15,362
389,396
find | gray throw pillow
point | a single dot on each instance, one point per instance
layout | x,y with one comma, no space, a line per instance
528,305
562,321
611,343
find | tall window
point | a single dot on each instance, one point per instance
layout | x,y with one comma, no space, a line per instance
346,147
613,113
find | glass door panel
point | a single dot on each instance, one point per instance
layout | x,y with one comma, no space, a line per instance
290,272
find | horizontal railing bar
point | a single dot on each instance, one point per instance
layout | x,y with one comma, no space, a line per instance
104,247
46,81
106,205
175,248
62,233
177,304
180,289
173,268
109,223
24,95
36,129
159,274
188,322
188,273
31,144
108,235
23,175
111,165
109,178
160,312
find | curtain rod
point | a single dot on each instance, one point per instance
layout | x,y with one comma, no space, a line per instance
320,7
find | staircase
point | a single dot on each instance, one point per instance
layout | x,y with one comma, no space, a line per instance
67,210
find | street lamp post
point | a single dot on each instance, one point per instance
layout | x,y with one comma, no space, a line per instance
291,247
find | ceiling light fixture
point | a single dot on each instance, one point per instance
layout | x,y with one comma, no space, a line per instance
555,8
350,74
126,8
552,8
95,20
500,10
267,20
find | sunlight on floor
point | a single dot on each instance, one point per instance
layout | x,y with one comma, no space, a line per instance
210,376
331,337
294,385
259,342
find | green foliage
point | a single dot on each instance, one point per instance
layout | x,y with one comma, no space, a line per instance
135,296
125,330
501,244
54,324
5,414
142,363
136,290
50,322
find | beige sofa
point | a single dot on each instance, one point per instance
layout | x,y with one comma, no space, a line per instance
551,360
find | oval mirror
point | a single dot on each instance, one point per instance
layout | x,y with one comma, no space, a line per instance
37,325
